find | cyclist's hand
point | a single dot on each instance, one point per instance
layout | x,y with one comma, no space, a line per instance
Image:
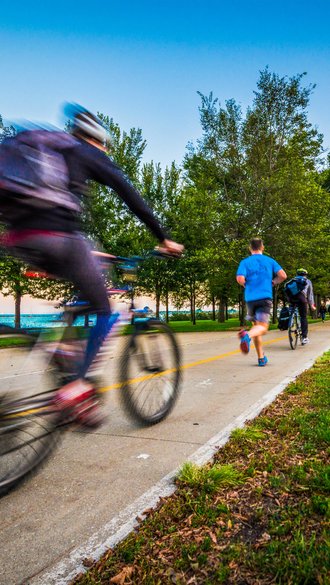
102,254
313,307
170,247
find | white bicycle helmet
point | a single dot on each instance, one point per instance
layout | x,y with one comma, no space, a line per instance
85,123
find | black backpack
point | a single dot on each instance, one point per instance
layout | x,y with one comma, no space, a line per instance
294,286
33,172
283,319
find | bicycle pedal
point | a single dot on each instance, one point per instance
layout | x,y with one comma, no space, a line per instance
153,369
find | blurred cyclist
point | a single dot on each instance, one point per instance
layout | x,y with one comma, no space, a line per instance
51,239
304,298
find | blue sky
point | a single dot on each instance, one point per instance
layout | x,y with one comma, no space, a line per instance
143,62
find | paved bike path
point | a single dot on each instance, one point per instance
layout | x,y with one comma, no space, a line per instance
94,477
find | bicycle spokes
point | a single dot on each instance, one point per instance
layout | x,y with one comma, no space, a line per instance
150,373
148,353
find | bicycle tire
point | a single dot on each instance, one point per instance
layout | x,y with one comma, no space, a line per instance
299,331
149,373
28,425
293,332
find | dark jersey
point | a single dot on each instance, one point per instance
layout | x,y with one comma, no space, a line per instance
86,162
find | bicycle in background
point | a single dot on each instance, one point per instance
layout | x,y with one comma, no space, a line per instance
149,376
294,327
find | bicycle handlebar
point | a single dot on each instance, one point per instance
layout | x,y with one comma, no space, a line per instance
133,260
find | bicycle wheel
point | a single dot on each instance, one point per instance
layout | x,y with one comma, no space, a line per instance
293,332
299,331
28,423
150,373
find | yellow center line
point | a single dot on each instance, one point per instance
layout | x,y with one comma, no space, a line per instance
117,385
184,367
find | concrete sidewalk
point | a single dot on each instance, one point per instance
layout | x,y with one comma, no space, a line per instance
93,477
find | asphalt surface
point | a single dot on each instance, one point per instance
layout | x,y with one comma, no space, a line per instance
93,476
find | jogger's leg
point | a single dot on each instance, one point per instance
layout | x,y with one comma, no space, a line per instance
256,332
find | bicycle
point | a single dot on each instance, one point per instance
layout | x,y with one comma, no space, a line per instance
294,327
149,377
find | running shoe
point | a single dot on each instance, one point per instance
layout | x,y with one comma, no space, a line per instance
305,341
245,341
262,361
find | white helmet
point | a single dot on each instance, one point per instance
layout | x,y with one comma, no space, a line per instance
85,123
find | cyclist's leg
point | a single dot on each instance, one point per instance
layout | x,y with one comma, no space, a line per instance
68,256
302,307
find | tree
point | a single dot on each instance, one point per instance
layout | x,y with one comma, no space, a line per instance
259,172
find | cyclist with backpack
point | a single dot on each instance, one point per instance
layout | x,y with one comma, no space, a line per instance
43,179
299,291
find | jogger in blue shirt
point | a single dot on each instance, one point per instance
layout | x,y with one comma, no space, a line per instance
258,274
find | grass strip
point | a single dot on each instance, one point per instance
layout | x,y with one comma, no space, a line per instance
7,341
209,325
257,515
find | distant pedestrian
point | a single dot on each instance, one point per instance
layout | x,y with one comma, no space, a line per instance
323,311
257,274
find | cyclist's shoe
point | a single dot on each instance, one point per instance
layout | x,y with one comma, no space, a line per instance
245,341
79,402
305,341
73,393
88,414
262,361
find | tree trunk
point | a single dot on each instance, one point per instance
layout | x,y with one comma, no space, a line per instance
221,316
192,304
226,307
317,303
166,306
242,311
157,304
213,308
18,298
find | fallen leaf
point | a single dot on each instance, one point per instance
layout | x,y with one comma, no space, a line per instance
121,577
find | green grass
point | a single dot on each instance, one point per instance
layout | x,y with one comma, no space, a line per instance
209,478
258,514
177,326
209,325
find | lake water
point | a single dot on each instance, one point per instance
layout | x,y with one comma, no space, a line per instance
50,319
36,320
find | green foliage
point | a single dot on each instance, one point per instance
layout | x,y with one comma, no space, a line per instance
258,172
258,175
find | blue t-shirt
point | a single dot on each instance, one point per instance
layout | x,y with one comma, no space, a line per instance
259,271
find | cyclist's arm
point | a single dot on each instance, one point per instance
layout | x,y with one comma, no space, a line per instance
105,171
280,277
310,295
